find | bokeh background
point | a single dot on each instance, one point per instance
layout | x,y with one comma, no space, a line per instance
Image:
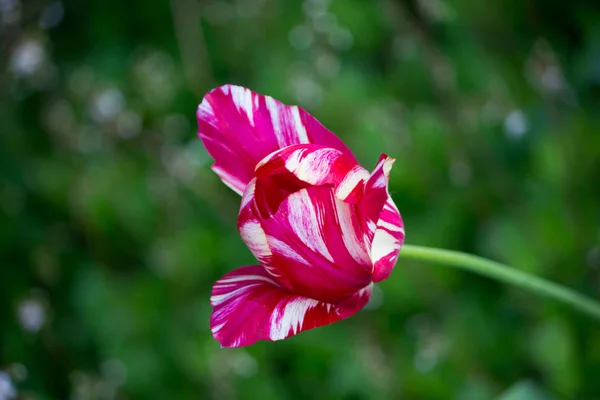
113,228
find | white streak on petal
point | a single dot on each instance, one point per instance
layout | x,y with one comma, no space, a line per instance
254,236
383,244
300,129
306,223
314,167
248,193
219,299
390,205
230,180
242,98
294,160
206,113
217,328
291,317
242,278
350,236
371,225
387,166
380,182
283,249
275,120
390,227
354,177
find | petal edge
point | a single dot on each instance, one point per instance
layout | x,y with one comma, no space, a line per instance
248,305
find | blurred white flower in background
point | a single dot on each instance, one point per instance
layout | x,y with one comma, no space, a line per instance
32,315
516,124
107,105
27,58
7,390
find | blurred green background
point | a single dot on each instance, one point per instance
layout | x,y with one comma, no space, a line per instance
113,228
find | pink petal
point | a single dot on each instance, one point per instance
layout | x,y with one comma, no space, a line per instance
239,128
248,305
316,245
296,167
387,241
382,223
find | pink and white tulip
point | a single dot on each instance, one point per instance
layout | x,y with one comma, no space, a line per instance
322,227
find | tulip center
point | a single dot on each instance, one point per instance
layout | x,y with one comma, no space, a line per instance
273,186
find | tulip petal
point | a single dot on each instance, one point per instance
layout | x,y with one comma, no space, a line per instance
314,245
382,223
248,305
317,245
387,241
239,128
296,167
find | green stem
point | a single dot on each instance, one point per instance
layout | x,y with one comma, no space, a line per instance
503,273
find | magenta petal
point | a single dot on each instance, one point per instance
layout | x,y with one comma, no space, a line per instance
383,225
239,128
387,241
314,245
317,244
298,166
248,305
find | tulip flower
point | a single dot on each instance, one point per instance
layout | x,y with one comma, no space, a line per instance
322,228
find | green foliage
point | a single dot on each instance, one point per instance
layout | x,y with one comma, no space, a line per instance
113,228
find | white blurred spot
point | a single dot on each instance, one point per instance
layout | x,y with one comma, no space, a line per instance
324,23
183,161
301,37
314,8
108,104
436,10
341,39
52,15
156,78
404,47
27,58
425,361
244,364
129,124
308,92
516,124
32,315
114,371
7,390
196,154
552,79
328,65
